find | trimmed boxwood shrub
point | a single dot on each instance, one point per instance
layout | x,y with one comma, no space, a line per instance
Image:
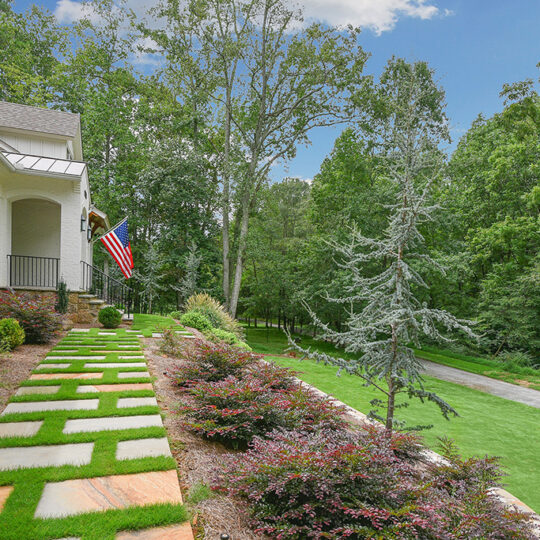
110,317
194,319
11,334
36,315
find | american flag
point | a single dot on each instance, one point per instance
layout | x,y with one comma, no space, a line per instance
118,245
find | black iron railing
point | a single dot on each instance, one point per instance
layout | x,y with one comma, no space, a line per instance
30,271
112,291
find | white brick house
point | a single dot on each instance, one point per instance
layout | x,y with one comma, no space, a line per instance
46,214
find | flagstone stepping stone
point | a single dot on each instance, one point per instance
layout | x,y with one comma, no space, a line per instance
173,532
87,388
48,376
53,366
124,403
130,357
5,492
45,456
37,406
131,374
77,330
134,331
71,497
141,448
27,390
80,357
114,364
111,423
126,346
19,429
106,333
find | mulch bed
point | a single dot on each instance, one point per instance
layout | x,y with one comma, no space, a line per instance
196,458
16,366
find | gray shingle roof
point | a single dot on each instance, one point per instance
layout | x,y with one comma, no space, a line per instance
16,116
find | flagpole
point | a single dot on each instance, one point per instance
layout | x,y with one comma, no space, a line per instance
107,232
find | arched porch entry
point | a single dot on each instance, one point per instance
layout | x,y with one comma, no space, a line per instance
35,243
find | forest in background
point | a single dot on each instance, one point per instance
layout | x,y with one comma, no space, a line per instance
190,167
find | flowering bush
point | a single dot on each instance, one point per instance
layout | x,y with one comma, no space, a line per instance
236,410
36,315
11,334
354,485
205,361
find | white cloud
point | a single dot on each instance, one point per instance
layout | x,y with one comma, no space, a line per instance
69,11
377,15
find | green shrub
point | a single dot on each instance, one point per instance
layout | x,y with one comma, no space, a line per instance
197,320
175,314
110,317
214,312
216,334
11,334
62,298
36,315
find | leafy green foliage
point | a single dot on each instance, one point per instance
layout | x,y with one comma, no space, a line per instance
11,334
62,298
195,319
217,315
110,317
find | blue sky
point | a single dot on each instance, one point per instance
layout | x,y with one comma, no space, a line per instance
475,46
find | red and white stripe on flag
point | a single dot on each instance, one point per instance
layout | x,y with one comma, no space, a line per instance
118,245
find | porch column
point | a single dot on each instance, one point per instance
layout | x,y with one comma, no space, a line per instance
70,246
5,239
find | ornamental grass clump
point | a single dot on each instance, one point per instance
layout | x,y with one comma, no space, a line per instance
359,485
217,315
36,315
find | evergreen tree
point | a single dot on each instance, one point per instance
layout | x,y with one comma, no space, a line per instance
385,314
188,284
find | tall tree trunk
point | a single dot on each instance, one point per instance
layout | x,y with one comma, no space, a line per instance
226,204
240,256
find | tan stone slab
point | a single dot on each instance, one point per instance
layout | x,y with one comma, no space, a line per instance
121,387
133,374
49,376
173,532
64,405
78,357
114,365
29,390
78,496
124,403
52,366
5,492
19,429
112,423
142,448
24,457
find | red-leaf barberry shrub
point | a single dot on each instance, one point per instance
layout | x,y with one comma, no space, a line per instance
36,315
206,361
234,411
338,484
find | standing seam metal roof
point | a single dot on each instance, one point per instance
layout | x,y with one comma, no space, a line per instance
25,117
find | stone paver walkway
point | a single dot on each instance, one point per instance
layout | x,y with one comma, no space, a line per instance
92,436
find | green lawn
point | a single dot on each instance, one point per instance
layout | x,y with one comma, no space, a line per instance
147,324
487,424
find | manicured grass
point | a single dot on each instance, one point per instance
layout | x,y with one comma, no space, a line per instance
147,324
487,424
274,341
17,520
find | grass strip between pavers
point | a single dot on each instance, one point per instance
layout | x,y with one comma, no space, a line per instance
17,520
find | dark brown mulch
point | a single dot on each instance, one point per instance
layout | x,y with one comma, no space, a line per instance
196,459
16,366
